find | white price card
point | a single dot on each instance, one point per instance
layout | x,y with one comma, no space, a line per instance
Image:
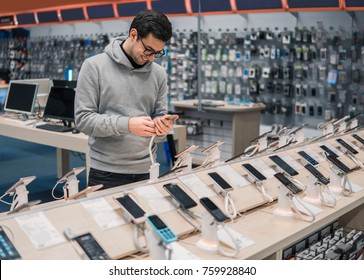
290,161
233,176
262,167
103,214
196,186
39,230
155,199
314,155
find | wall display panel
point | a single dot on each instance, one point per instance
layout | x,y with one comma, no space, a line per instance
103,11
211,6
72,14
50,16
354,3
292,4
170,7
7,20
131,9
258,5
26,18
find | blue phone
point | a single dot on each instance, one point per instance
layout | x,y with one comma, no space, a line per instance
161,229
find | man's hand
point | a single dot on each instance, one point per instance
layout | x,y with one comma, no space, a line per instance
142,126
164,124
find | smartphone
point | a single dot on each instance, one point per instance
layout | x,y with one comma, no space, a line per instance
347,146
329,151
357,137
338,163
285,166
187,150
308,158
213,209
221,183
317,174
254,172
132,210
184,200
209,148
161,229
91,247
284,180
171,117
7,248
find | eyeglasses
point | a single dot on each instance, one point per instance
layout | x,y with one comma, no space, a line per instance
149,52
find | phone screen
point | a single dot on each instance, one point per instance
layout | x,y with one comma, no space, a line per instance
327,150
338,163
129,204
178,194
283,179
308,158
357,137
347,146
282,164
220,181
251,169
213,209
209,204
157,222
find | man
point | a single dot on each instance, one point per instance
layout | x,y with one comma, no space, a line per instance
121,101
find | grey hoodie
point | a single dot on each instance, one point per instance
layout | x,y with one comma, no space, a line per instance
109,92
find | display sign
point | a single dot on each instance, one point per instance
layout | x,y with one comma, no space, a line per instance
7,20
49,16
72,14
258,5
26,18
211,6
169,7
131,9
293,4
103,11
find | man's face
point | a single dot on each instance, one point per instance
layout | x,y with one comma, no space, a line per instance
145,49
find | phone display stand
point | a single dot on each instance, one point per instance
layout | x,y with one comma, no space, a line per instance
209,241
284,204
354,123
328,129
185,158
299,136
338,181
213,154
154,172
158,250
342,127
71,186
283,140
260,186
19,192
154,167
262,143
313,190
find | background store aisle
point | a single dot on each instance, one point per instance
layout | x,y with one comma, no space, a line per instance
21,159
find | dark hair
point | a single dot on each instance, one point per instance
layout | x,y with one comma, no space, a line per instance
154,22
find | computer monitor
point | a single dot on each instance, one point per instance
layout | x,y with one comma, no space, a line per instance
60,104
44,84
21,98
65,83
